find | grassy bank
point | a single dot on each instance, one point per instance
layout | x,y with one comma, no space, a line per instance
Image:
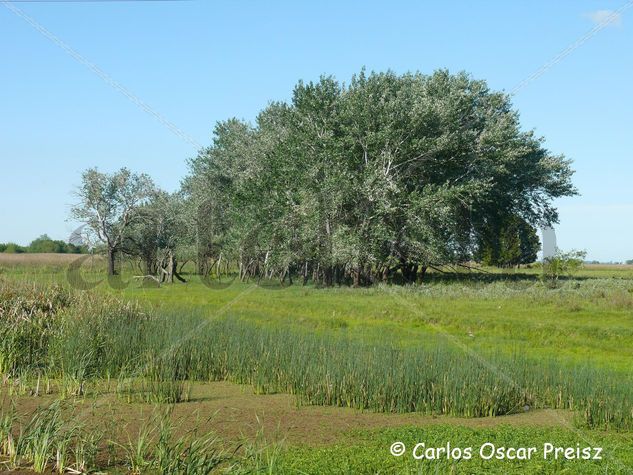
483,346
60,437
367,450
585,320
74,338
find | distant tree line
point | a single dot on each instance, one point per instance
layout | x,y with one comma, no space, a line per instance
43,244
377,180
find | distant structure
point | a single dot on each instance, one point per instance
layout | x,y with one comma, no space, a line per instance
77,236
549,242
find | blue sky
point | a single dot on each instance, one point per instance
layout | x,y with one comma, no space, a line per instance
197,62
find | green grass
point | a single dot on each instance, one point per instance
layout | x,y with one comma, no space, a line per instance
586,320
481,346
46,441
81,337
368,452
588,324
50,439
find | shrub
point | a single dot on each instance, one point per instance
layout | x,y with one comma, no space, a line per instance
13,248
28,322
45,244
562,264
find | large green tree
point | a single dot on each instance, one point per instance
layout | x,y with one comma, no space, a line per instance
384,176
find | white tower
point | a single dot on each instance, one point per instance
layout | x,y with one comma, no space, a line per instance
549,242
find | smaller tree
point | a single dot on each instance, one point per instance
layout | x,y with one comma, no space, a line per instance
513,243
109,204
45,244
562,263
160,236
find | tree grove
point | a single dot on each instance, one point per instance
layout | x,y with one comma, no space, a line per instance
387,175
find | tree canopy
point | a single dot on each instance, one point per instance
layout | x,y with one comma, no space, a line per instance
369,181
44,244
389,173
109,205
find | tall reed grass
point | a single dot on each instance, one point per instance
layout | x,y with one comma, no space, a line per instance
51,440
46,441
78,339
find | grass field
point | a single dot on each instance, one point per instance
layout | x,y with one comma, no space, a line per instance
310,380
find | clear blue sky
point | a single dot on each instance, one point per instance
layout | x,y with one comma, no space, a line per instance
200,61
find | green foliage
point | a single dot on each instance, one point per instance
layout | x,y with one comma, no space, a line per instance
37,441
28,324
13,248
99,338
44,244
109,204
191,454
47,440
563,264
50,440
364,348
162,235
375,179
509,244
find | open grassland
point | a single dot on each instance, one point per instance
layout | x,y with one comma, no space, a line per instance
585,320
500,348
44,262
580,322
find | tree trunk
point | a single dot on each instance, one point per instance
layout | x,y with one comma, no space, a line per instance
305,273
170,267
177,274
150,265
423,273
111,262
356,276
329,276
201,263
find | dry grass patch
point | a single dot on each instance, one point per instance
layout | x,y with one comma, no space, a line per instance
44,259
